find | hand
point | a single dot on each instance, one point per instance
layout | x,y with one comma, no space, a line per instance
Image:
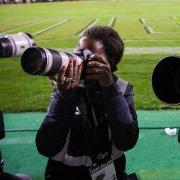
99,69
68,78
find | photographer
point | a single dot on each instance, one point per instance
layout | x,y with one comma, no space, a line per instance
90,122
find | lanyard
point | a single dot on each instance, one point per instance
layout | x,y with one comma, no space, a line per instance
98,149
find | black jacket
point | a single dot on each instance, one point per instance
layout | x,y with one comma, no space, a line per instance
62,138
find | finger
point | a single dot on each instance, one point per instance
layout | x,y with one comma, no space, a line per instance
69,73
75,73
96,71
52,80
65,73
79,73
54,83
95,64
61,74
77,79
99,58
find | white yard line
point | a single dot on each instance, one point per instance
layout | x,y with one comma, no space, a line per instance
152,40
92,24
50,27
60,38
152,50
149,30
112,21
126,40
84,28
167,32
140,50
142,20
25,26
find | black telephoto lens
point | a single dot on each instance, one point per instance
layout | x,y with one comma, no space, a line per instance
6,48
41,61
166,81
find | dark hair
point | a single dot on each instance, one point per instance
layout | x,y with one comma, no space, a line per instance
113,44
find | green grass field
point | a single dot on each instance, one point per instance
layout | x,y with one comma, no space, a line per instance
59,25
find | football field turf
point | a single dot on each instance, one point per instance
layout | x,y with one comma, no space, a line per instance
141,24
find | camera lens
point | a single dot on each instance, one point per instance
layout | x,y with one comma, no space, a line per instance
14,45
165,80
33,61
41,61
6,48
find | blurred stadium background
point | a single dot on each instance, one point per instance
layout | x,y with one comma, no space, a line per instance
150,30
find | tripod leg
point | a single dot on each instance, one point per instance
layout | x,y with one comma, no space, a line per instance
2,132
1,163
9,176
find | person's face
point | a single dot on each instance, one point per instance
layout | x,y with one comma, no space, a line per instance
98,68
95,46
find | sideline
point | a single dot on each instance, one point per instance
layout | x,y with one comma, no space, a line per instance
50,27
148,119
24,26
140,50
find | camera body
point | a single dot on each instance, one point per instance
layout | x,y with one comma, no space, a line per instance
14,45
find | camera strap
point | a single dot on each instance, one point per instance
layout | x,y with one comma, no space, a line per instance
95,130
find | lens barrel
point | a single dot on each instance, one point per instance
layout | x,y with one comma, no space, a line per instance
6,48
41,61
14,45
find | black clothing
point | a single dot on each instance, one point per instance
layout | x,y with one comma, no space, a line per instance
70,142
